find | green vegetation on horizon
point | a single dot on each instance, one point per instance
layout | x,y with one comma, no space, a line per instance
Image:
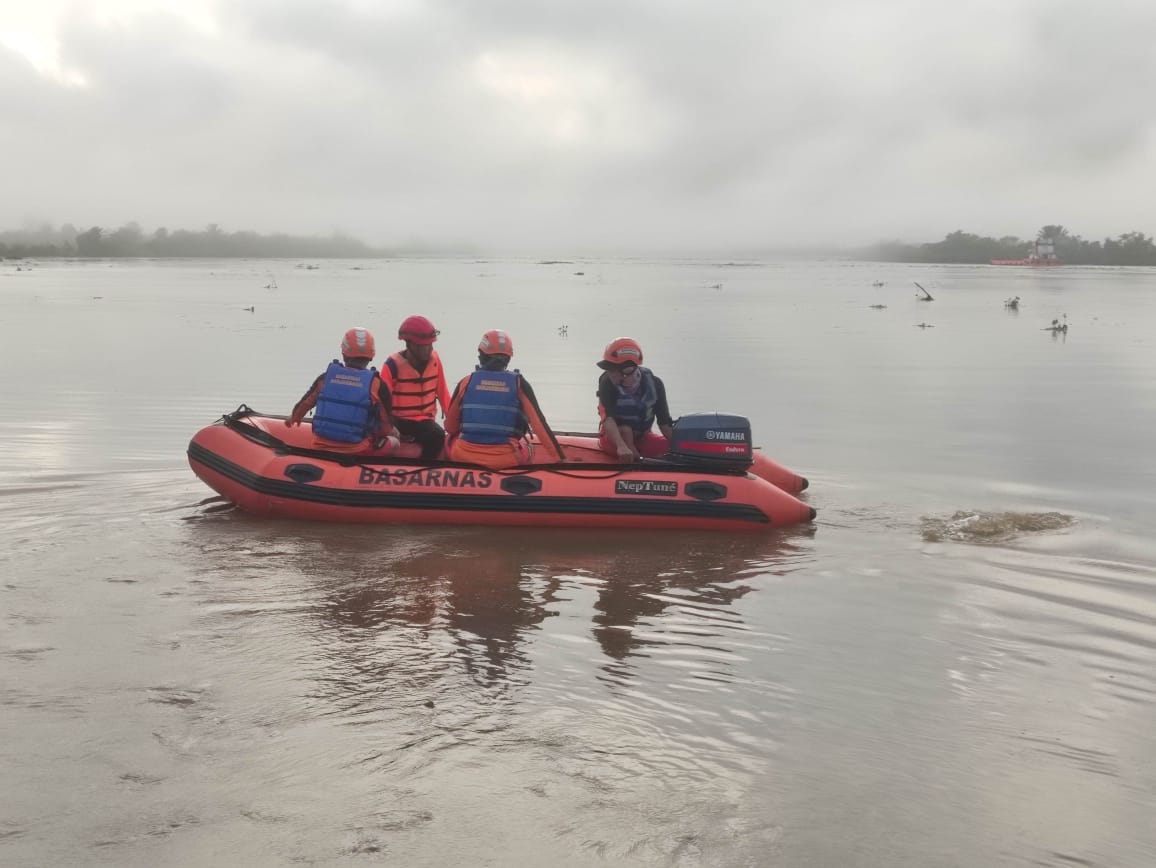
131,241
1131,248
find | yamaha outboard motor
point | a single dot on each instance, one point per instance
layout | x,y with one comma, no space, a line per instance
712,440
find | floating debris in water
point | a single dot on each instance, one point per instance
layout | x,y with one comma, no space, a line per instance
991,527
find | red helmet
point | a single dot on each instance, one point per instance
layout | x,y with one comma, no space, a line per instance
418,330
358,344
496,342
620,351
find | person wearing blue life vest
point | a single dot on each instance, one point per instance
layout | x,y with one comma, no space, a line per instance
350,401
493,409
631,401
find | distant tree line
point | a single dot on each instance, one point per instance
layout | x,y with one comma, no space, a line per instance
131,241
1131,248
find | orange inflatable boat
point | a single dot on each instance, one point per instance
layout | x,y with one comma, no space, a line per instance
708,481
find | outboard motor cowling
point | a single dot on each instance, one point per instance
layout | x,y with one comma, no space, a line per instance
713,440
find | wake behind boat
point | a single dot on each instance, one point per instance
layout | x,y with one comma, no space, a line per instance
712,479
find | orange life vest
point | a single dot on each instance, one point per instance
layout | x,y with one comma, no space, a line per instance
415,395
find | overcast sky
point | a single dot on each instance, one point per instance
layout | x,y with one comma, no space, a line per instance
569,127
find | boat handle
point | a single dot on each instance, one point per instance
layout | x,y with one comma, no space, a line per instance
522,485
703,490
304,472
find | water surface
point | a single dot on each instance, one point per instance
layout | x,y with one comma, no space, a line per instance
954,666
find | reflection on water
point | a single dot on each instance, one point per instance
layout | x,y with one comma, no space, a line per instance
400,614
435,658
387,600
652,599
40,445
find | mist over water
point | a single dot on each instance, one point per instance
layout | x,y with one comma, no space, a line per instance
954,666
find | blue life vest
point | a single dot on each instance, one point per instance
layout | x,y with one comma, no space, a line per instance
492,409
636,409
344,409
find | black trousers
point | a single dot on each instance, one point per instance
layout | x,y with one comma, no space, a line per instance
428,434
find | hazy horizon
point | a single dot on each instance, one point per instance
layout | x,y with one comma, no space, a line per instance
36,229
318,246
603,128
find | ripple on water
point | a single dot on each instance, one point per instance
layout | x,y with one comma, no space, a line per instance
991,527
35,506
175,695
1045,622
10,831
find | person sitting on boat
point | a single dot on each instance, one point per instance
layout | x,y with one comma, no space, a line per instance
493,409
416,386
350,401
630,400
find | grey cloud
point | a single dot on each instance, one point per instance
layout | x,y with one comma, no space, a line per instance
536,123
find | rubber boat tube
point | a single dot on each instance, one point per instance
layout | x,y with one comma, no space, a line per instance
270,470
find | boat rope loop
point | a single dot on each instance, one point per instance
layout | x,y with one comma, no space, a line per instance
239,421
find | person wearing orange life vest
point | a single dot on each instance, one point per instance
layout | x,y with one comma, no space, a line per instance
631,399
350,401
416,385
493,409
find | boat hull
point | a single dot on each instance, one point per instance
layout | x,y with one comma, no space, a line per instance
239,458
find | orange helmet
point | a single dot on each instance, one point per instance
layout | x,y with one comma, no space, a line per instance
496,342
620,351
418,330
358,344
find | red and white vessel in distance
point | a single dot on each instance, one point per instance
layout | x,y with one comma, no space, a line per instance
1042,255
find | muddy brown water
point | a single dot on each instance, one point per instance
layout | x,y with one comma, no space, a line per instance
952,667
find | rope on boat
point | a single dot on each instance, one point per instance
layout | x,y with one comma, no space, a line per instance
237,421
